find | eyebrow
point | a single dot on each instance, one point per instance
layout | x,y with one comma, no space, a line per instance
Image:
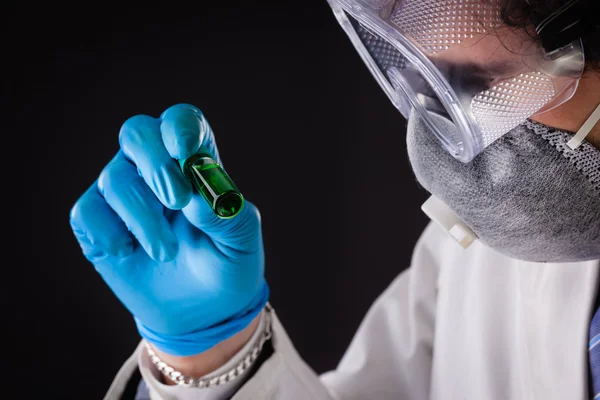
487,69
493,68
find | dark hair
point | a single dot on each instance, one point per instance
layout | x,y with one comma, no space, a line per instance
524,13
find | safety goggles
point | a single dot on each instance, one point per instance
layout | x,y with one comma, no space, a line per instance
470,77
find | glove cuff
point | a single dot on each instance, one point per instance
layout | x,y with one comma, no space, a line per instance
199,341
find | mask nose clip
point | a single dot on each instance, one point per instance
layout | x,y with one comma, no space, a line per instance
441,214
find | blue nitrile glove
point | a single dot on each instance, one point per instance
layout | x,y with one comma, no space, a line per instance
189,278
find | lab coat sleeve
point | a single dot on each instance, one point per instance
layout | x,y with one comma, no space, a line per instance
389,357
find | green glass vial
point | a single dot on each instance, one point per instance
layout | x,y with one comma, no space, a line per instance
210,180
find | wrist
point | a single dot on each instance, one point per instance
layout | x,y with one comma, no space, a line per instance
210,360
208,334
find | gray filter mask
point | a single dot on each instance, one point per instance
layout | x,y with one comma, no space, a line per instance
528,195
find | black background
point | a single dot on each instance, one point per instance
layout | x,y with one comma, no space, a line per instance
302,127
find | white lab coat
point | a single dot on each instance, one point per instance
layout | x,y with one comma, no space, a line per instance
458,324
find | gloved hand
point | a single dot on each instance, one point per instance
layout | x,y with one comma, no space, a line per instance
189,278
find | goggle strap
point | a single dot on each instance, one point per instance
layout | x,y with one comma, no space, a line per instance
585,130
563,26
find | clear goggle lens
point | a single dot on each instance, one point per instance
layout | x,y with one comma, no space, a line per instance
438,57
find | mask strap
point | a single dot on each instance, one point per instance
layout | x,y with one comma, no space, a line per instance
585,130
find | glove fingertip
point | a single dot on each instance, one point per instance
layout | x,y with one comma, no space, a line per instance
122,249
184,145
163,248
166,253
181,131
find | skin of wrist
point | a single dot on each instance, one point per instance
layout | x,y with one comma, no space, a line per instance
212,359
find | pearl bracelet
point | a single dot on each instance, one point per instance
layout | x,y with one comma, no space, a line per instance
211,381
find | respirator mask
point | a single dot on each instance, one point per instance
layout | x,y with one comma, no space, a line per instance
469,86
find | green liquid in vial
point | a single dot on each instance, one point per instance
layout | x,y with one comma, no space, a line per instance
213,183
